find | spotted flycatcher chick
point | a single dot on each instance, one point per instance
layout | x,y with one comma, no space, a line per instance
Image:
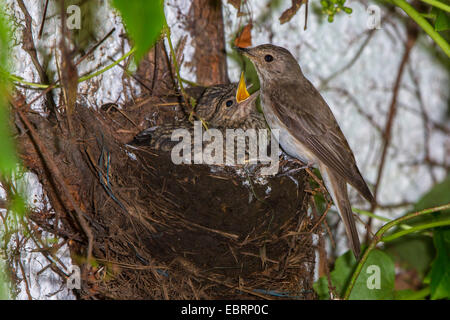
220,106
308,128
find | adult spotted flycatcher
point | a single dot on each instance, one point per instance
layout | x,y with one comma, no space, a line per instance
308,128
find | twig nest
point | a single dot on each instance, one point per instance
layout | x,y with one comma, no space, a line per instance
166,231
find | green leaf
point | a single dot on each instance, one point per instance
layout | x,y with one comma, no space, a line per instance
8,159
340,276
437,196
442,22
412,252
18,204
440,270
403,294
409,294
4,281
321,288
375,282
144,21
378,265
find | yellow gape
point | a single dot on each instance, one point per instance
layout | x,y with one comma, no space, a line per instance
242,93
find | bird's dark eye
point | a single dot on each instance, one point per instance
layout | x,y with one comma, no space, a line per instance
229,103
268,58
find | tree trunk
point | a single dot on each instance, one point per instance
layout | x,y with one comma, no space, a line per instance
208,38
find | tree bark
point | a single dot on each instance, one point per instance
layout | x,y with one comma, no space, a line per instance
207,31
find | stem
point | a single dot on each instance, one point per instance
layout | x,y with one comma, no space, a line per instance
92,75
378,237
421,21
428,15
372,215
191,83
416,229
87,77
186,97
175,63
31,84
437,4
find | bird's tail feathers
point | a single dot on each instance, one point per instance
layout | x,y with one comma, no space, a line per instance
362,188
337,187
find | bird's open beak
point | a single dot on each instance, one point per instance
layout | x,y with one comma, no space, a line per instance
252,97
242,93
245,100
249,104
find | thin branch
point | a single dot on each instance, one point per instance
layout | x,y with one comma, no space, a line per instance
424,24
95,46
177,70
189,101
412,36
425,120
48,87
130,74
350,63
438,126
378,238
29,47
359,108
44,15
57,176
24,276
323,261
416,229
437,4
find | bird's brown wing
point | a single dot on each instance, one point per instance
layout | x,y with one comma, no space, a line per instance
307,116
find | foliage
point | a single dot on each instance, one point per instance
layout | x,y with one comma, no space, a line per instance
4,294
332,7
11,171
440,270
428,257
441,20
8,158
144,21
437,196
378,261
412,252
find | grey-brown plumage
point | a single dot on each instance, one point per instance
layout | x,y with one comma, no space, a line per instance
217,107
308,128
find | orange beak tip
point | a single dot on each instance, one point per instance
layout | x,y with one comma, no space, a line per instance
242,93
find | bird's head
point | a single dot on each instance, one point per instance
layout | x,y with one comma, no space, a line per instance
226,105
272,63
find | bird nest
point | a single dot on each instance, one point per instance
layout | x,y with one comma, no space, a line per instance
165,231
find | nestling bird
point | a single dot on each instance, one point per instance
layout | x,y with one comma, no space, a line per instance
308,128
219,106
